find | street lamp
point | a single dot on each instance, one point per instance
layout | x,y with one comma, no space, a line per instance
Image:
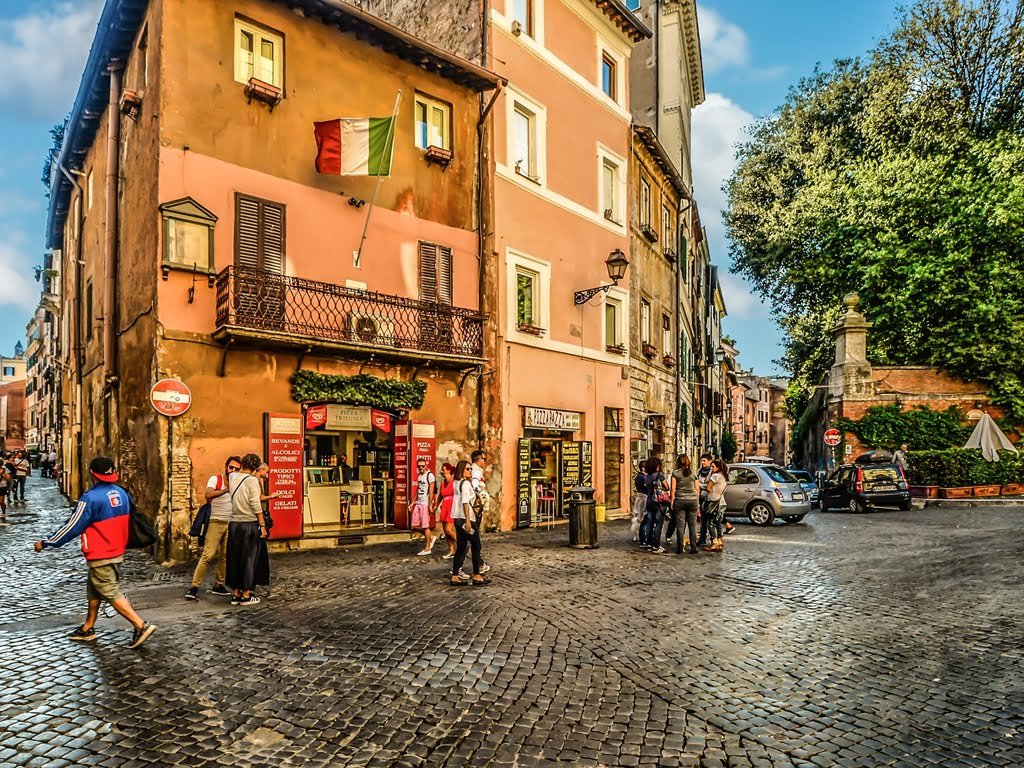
616,263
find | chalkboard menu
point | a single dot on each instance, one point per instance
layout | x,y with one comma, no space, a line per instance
523,485
587,464
571,467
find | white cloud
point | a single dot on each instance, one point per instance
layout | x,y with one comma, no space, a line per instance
44,54
722,43
16,286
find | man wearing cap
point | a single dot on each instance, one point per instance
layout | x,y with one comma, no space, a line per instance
101,518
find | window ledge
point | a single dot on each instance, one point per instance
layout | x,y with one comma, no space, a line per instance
167,266
615,349
261,91
534,179
439,156
533,330
649,232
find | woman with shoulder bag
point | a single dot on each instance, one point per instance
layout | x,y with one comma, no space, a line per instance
657,501
248,561
714,510
685,493
467,528
640,502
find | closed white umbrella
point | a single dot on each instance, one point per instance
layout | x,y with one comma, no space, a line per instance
990,439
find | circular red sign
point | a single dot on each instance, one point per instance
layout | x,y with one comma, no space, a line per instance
833,437
170,397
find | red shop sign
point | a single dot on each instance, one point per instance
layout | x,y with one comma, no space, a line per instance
283,434
381,420
316,416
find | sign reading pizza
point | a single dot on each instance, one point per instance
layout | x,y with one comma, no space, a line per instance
833,437
170,397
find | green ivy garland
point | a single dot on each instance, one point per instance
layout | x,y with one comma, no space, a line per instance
921,427
361,389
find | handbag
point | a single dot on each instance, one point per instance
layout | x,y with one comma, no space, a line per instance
141,533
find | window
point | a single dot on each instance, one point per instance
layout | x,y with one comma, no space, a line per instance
645,321
610,190
87,309
259,234
435,273
8,370
527,299
666,335
667,228
88,191
633,5
612,315
188,234
613,420
433,123
645,202
259,53
608,76
522,11
524,141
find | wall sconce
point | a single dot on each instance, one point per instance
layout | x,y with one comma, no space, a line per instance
355,202
616,263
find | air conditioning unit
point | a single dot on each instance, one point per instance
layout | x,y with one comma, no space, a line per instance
369,328
517,28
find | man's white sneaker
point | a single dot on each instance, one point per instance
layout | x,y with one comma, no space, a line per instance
423,553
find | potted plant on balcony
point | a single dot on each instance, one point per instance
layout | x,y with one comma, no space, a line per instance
616,349
669,361
533,330
649,350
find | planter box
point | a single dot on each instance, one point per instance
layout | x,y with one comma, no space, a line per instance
986,490
956,493
1013,489
924,491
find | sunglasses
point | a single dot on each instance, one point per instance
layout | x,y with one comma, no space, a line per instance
233,468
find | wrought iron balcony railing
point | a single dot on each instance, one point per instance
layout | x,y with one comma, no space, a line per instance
284,306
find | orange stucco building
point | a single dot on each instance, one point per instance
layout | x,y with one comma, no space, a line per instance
199,243
561,144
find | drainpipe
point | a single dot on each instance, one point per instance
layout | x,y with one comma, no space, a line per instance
76,321
111,226
481,236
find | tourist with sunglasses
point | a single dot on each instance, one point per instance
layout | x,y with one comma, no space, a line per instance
216,535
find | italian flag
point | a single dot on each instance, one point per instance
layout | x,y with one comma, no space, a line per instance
355,146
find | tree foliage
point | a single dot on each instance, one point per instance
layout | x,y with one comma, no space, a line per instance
921,427
901,178
57,141
728,446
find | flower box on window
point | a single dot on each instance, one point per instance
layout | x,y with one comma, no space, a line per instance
262,91
670,256
649,350
616,349
649,232
533,330
130,104
438,155
669,361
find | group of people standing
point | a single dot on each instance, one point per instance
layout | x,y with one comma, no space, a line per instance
233,527
672,507
14,471
457,501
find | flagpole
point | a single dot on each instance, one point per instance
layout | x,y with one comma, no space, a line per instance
387,148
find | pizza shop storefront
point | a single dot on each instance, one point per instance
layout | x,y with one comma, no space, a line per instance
550,461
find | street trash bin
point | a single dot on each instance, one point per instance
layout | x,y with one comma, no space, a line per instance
582,518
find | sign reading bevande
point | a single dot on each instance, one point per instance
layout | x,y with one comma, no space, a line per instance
549,418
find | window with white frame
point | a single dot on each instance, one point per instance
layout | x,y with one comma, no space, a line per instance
666,335
609,76
612,322
259,53
524,141
527,298
433,123
522,12
89,197
667,229
610,190
645,321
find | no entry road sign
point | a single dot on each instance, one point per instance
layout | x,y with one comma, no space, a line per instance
832,437
170,397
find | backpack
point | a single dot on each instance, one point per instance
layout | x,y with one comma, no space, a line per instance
141,533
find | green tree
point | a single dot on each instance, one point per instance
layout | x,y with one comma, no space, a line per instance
901,178
728,447
57,141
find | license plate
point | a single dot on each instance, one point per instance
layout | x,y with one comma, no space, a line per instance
885,488
799,496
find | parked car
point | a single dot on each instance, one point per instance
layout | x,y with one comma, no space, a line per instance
763,492
809,484
860,487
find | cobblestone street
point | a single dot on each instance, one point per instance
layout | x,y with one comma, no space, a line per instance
848,640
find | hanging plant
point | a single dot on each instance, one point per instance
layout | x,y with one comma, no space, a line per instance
361,389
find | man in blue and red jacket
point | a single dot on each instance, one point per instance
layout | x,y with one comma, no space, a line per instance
101,519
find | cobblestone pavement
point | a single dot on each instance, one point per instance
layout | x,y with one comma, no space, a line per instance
848,640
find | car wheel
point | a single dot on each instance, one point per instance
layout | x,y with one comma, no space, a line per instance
761,514
856,506
793,518
905,506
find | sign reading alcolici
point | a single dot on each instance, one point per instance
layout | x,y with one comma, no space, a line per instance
548,418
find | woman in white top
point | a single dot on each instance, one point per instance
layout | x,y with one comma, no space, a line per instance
248,564
467,531
716,514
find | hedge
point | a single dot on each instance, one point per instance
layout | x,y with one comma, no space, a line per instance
958,467
361,389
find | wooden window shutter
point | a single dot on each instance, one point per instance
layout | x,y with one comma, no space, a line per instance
272,236
428,272
444,276
247,232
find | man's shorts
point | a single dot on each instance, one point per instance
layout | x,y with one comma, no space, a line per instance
103,584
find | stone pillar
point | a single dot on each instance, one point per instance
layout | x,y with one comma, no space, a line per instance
850,377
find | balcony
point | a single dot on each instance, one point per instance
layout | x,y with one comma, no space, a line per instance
279,310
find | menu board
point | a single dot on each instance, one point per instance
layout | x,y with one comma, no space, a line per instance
414,440
571,465
283,435
523,485
401,472
587,464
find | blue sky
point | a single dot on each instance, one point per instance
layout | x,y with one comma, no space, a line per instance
753,50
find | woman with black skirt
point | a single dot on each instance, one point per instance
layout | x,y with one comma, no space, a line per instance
248,563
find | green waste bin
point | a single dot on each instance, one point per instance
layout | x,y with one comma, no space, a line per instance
582,518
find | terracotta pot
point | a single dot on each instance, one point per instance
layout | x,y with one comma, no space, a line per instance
924,491
1013,489
955,493
986,490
